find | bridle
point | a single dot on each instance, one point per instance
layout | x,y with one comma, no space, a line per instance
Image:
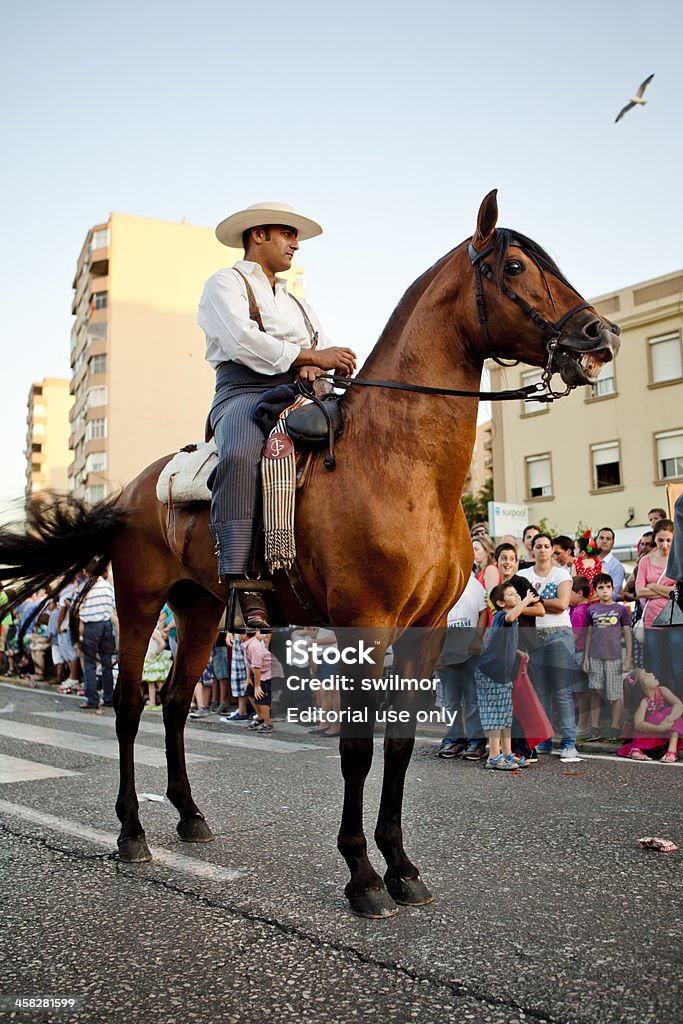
552,330
540,391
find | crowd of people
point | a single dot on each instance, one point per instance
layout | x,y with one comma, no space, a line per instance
561,613
566,615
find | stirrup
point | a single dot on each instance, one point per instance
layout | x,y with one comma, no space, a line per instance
235,618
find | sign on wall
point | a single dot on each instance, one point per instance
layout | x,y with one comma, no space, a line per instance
507,518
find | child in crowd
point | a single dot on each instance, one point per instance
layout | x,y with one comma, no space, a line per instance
203,690
53,638
494,673
657,718
586,562
606,622
158,661
262,669
578,610
238,680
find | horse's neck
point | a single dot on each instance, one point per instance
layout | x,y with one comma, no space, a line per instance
424,343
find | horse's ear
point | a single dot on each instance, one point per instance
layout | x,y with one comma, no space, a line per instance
487,218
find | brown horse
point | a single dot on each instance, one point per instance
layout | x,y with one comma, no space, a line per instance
383,543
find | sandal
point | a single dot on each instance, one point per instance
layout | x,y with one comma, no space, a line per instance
669,758
638,755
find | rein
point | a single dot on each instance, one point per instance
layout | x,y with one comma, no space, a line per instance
528,393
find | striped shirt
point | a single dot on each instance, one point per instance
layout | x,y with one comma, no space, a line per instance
98,604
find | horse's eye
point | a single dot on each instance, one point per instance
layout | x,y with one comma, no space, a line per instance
514,267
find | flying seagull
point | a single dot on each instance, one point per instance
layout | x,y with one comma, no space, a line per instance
637,99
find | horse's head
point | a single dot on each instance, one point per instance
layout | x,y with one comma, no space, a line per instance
529,311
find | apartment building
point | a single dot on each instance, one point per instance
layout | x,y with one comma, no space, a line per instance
481,466
604,454
140,384
47,436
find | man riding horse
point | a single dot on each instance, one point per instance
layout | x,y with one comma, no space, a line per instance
258,336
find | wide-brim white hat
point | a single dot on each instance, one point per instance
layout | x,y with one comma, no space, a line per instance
230,230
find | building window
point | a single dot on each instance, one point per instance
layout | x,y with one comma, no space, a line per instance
38,410
36,447
95,429
606,465
665,358
669,454
94,493
98,364
37,389
36,467
530,408
96,462
99,301
100,239
96,396
39,430
538,476
605,384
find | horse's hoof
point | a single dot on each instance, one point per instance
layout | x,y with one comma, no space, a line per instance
409,892
134,850
194,830
375,904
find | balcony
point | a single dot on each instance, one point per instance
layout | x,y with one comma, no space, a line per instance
99,262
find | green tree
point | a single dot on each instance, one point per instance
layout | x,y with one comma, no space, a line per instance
476,507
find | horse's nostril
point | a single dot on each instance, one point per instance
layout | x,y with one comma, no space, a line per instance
593,328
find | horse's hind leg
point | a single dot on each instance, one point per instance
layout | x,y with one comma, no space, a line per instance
197,626
365,890
136,626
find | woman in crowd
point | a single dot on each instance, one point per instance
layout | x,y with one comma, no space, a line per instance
485,568
663,647
552,662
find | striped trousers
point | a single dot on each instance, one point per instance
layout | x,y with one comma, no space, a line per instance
235,489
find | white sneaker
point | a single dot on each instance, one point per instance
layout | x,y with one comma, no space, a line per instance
569,754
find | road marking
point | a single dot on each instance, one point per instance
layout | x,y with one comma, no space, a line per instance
175,861
156,727
16,769
8,709
82,744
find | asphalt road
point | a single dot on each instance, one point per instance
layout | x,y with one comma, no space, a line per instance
546,909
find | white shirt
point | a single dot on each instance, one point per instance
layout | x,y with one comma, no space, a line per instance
230,333
462,620
98,603
465,612
546,587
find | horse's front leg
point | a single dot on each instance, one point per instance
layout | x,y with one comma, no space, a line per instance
415,655
402,878
365,890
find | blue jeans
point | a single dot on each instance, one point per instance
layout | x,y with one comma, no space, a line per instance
459,688
551,671
664,656
98,639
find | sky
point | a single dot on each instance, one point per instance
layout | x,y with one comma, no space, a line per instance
386,122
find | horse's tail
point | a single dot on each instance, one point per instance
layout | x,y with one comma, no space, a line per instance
59,538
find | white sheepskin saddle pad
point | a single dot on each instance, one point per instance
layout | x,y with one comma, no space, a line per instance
183,479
